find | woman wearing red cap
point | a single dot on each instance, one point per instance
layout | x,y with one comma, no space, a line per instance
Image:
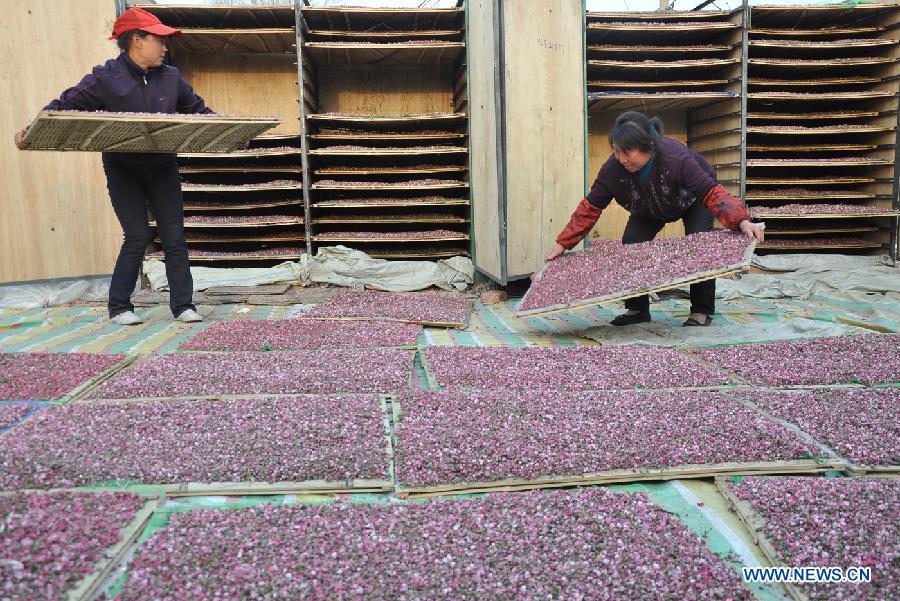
138,81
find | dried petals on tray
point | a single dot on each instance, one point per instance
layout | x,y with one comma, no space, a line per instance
568,368
452,437
286,439
416,307
859,424
827,522
319,371
10,413
403,184
586,544
414,201
278,251
280,334
273,183
414,235
609,267
51,541
818,242
49,376
862,359
800,193
815,209
242,219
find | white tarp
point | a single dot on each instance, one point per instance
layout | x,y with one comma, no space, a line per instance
53,294
207,277
337,265
344,266
804,274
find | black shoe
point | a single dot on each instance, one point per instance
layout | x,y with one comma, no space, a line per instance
690,321
626,320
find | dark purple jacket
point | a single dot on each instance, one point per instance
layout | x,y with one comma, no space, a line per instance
120,86
678,177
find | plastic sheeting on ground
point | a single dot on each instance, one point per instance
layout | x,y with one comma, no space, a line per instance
344,266
337,265
206,277
54,294
669,335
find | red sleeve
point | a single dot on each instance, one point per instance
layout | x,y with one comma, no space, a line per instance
581,222
730,211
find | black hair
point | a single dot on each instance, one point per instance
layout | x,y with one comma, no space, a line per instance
124,40
636,130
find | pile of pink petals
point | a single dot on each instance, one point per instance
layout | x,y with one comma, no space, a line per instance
548,369
465,437
826,522
417,307
301,372
289,439
585,544
862,359
51,541
280,334
609,267
49,376
10,413
859,424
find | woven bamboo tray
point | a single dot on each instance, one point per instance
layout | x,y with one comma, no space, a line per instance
812,148
332,171
431,53
425,34
270,40
806,116
325,238
413,202
205,206
767,162
641,49
802,33
757,526
660,27
686,83
744,265
827,81
800,466
386,119
856,95
139,132
91,584
376,152
216,226
373,186
885,213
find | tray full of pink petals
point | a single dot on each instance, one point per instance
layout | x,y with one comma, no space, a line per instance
450,442
824,523
65,544
529,546
610,271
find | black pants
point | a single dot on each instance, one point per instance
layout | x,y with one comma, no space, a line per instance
136,182
643,229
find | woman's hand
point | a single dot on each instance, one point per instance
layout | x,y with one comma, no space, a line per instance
556,251
20,140
752,230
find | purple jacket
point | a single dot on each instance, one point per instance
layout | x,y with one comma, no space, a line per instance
678,177
119,85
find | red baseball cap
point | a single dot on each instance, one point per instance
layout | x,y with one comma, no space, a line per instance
138,18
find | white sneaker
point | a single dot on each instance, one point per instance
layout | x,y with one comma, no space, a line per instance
127,318
189,316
